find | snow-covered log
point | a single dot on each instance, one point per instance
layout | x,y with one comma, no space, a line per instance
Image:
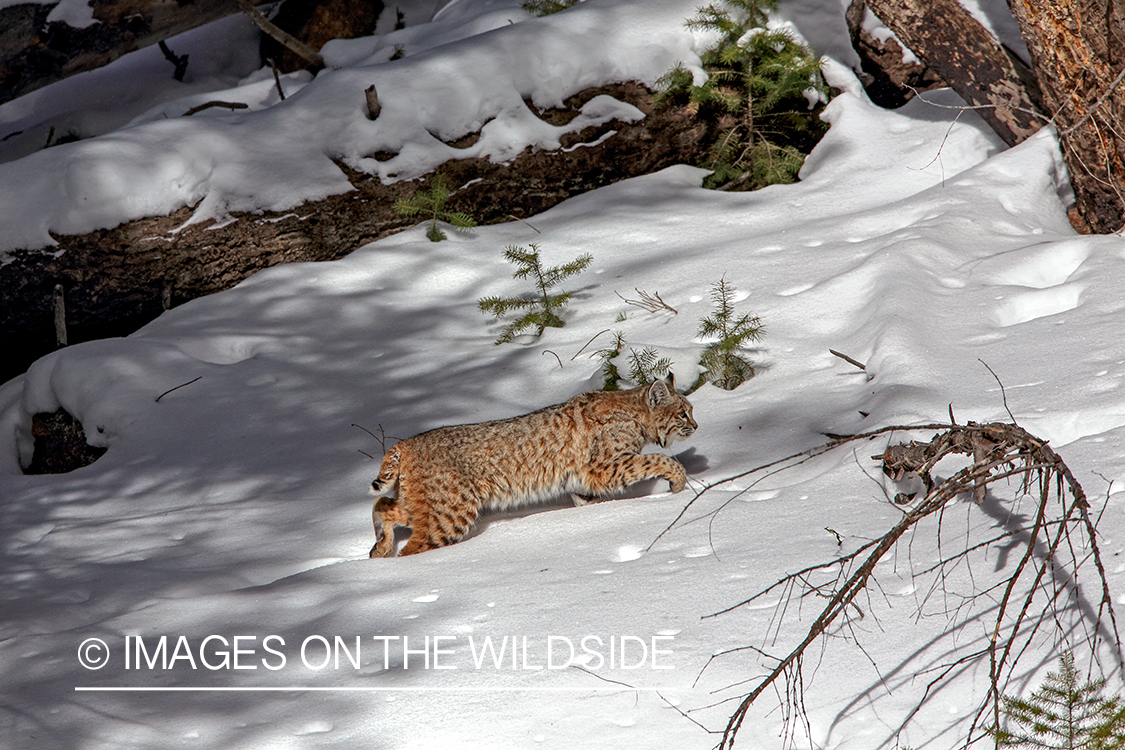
42,44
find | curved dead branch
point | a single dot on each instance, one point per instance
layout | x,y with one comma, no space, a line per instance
1060,540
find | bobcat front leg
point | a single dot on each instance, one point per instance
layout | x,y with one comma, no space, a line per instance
624,470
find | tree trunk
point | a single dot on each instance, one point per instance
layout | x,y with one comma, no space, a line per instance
1078,50
35,52
955,45
889,79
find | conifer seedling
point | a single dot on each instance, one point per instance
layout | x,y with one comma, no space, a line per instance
646,366
1063,715
610,373
722,361
755,76
546,7
431,204
541,305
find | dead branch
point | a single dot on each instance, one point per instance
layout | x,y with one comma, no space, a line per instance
373,106
650,302
209,105
1047,570
178,387
283,37
277,79
848,359
382,437
599,333
548,351
178,61
521,221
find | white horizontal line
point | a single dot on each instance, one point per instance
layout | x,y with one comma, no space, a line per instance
304,689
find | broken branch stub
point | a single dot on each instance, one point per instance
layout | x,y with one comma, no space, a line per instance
373,106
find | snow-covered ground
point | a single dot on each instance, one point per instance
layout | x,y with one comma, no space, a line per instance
233,513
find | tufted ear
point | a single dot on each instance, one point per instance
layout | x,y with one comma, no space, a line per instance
660,392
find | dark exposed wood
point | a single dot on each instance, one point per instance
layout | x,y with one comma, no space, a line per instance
373,106
1077,48
35,53
58,299
59,444
975,65
315,22
118,279
889,80
292,44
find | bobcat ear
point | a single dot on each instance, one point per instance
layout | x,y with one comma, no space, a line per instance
660,393
671,381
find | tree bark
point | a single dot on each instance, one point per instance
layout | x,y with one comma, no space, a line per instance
974,64
1078,51
35,52
889,80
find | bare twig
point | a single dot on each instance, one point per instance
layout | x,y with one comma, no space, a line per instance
277,79
181,385
599,333
849,360
382,437
209,105
1097,105
548,351
179,61
1003,393
650,302
521,221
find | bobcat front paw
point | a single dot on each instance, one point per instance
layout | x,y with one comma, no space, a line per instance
678,481
383,548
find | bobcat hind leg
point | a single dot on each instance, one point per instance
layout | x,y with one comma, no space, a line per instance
387,513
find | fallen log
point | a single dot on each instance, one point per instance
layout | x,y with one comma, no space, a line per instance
116,280
36,51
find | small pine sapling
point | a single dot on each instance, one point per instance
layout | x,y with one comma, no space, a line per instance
1063,715
722,361
431,204
646,366
546,7
609,368
757,82
543,304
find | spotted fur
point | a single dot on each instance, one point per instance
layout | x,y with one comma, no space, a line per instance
438,482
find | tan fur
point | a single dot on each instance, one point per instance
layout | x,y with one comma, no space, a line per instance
438,482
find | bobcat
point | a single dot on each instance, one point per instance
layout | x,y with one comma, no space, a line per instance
438,482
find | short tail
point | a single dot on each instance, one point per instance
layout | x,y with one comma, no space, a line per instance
384,484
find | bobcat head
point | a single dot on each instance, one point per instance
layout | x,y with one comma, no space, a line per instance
670,412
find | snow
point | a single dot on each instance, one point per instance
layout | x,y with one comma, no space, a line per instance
223,162
231,514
